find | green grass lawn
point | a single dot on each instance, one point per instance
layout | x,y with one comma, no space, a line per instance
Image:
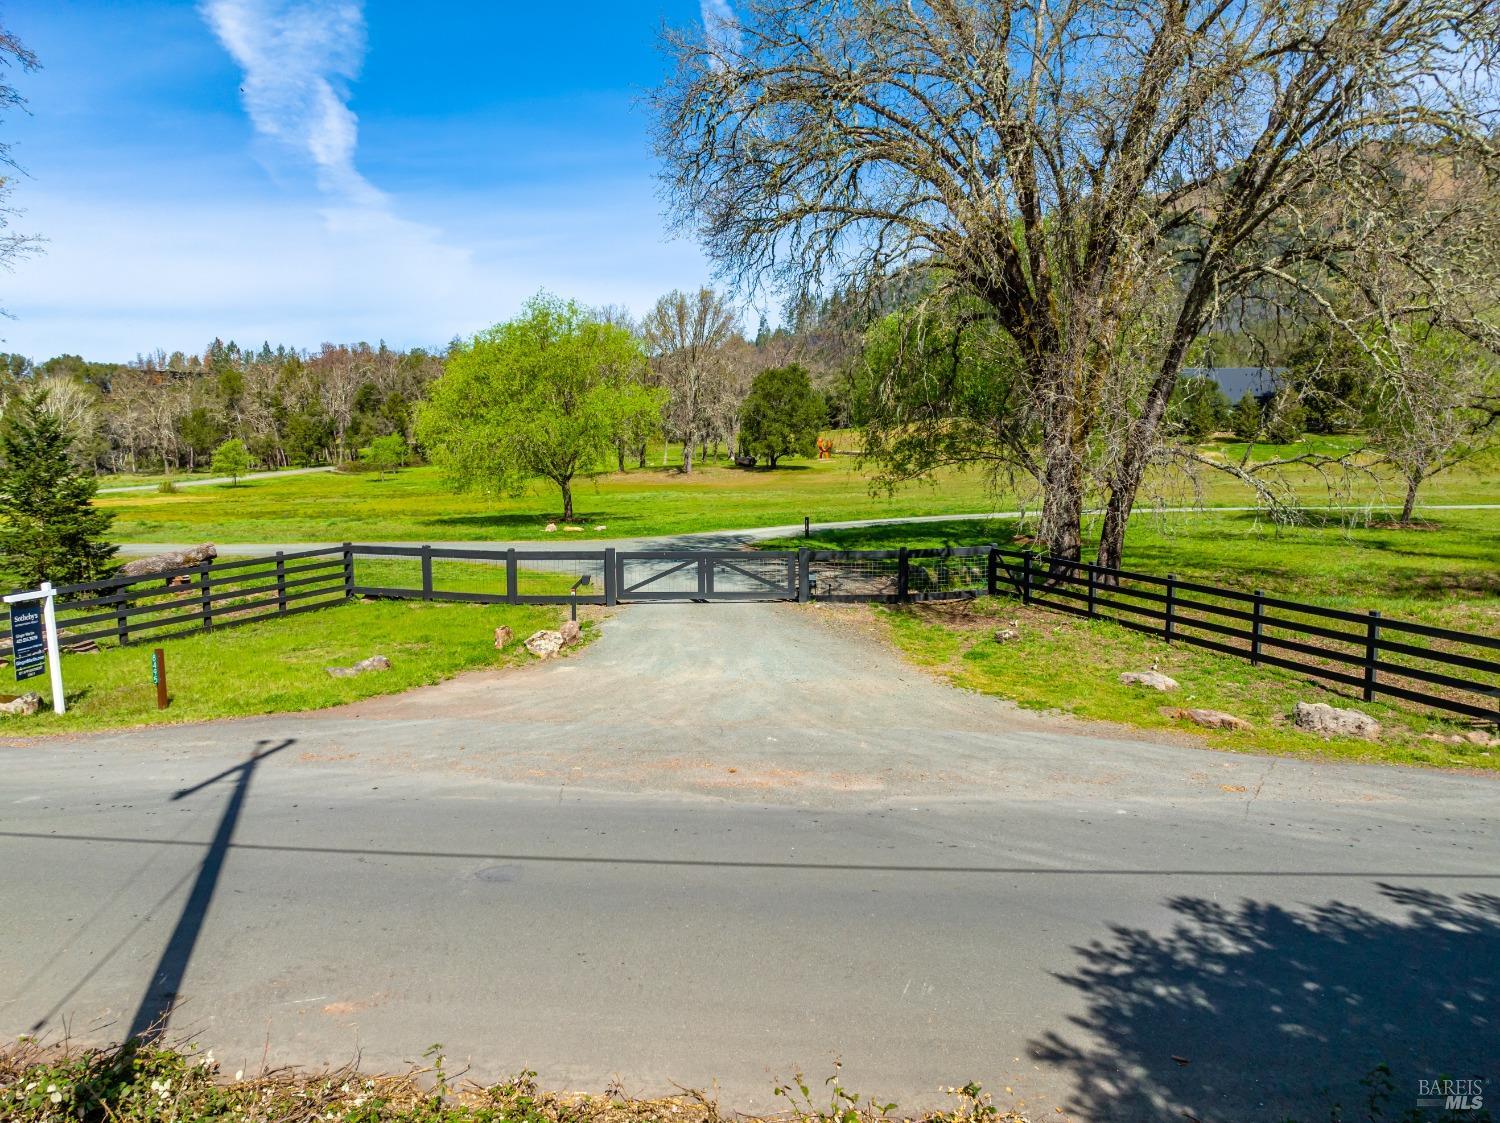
1072,665
414,505
277,665
1446,574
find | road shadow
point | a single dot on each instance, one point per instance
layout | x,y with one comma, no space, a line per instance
156,1005
1255,1011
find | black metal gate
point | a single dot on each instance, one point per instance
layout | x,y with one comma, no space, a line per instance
705,575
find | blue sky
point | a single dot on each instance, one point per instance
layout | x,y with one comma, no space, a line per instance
311,170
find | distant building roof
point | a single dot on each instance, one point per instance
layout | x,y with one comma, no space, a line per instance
1236,382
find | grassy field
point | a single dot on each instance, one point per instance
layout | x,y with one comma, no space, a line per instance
1447,573
277,666
415,506
1071,665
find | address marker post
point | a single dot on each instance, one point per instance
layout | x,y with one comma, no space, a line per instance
159,677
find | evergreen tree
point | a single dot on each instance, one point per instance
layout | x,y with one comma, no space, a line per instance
50,529
782,416
1246,417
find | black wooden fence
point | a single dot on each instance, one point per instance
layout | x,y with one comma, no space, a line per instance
1438,667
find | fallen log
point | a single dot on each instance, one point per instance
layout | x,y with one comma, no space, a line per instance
172,559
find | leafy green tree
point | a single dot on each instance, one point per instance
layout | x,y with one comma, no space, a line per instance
782,416
550,393
50,529
1336,377
386,454
232,459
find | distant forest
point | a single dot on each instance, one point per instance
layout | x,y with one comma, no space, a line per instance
291,407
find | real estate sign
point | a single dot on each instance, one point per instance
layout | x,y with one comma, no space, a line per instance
27,640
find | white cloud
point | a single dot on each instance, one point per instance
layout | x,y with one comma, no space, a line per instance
299,57
720,24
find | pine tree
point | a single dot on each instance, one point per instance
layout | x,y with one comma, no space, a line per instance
50,529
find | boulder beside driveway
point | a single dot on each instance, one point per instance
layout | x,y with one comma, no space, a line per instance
373,663
1319,717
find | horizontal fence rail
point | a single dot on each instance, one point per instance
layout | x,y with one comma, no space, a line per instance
203,596
1368,652
1458,672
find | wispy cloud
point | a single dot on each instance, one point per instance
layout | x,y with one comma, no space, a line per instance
299,57
720,24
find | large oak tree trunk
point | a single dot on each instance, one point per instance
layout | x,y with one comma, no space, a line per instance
567,490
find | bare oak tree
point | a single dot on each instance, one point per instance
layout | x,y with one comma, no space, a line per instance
1105,178
687,337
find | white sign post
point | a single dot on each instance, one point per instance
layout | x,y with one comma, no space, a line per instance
49,624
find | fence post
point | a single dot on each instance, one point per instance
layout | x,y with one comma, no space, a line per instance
426,572
280,581
611,594
992,571
1372,650
903,575
1257,612
1093,587
512,578
122,620
1168,626
804,575
349,570
1025,576
205,588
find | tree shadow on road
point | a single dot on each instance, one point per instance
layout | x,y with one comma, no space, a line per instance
1256,1011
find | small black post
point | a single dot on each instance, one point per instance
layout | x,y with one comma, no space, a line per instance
992,571
1372,650
205,593
1257,615
512,578
610,594
804,575
122,620
806,527
349,570
1169,625
1025,576
280,581
426,572
1093,589
903,576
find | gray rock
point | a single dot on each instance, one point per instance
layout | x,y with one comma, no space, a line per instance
373,663
544,644
1007,635
503,636
24,706
1211,719
1319,717
570,632
1154,679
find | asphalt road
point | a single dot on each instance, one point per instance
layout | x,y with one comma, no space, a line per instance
204,481
729,840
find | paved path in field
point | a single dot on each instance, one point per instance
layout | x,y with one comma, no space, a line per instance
728,840
203,481
701,540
